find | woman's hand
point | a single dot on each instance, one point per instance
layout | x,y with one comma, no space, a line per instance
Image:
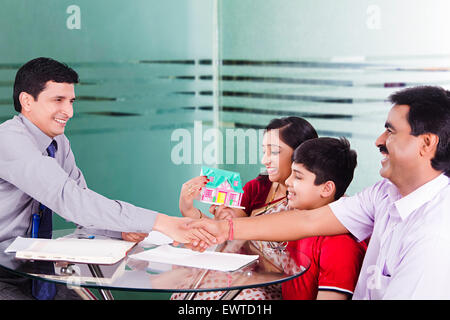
190,191
223,212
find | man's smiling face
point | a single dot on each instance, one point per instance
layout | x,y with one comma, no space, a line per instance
399,148
52,108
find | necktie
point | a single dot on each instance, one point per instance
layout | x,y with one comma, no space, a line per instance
43,290
46,226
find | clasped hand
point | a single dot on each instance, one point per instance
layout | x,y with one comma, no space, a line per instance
218,229
191,232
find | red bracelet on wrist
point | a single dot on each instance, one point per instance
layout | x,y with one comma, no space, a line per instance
230,232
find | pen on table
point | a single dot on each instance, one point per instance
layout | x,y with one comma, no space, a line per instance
85,237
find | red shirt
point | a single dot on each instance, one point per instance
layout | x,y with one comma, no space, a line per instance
335,265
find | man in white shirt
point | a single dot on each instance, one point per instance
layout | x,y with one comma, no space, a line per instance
406,215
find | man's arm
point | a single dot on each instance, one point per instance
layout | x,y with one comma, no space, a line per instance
69,165
171,226
282,226
288,225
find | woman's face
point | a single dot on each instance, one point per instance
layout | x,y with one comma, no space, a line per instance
277,157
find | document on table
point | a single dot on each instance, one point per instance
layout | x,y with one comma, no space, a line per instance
156,238
219,261
98,251
21,244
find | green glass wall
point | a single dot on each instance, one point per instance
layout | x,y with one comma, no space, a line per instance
163,81
333,63
139,66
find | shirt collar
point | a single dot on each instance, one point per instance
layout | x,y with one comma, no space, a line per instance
42,140
406,205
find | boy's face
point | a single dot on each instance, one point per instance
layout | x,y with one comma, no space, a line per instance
302,192
52,108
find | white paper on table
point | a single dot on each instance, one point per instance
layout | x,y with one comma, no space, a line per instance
219,261
71,250
157,238
20,244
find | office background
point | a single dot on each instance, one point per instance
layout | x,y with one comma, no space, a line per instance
161,78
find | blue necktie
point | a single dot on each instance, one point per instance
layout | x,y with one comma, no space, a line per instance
46,226
43,290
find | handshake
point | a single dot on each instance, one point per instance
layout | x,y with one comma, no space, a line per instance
196,234
194,230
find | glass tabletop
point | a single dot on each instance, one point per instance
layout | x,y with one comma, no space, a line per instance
275,264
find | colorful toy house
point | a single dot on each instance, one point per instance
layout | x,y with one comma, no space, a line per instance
224,187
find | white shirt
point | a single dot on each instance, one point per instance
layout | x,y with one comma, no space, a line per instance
408,256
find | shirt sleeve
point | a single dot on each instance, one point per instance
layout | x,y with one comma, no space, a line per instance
340,263
357,213
43,179
70,166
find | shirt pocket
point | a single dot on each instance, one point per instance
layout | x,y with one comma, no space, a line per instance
378,292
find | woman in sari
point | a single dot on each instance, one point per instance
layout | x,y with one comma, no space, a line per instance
263,195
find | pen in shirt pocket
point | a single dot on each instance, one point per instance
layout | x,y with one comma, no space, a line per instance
36,220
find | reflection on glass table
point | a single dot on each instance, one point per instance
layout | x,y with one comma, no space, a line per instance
274,265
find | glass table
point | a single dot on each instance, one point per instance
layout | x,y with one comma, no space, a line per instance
274,265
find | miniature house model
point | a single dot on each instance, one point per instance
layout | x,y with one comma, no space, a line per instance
224,187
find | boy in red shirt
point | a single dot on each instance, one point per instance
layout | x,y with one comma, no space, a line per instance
322,169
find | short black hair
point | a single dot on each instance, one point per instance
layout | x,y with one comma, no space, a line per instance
330,159
33,75
429,112
293,130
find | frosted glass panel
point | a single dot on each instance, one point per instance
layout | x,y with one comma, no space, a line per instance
140,65
164,82
147,69
333,63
